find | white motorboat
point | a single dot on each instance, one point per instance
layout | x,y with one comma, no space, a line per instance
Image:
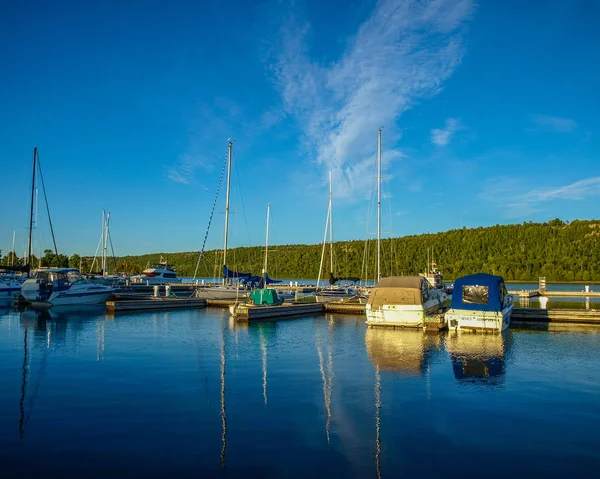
403,301
161,273
480,302
62,287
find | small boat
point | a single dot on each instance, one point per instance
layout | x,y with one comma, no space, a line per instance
9,288
258,297
404,301
161,273
63,286
480,302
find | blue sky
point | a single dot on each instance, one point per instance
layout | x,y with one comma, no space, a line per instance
489,114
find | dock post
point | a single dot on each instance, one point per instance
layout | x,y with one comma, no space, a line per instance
542,284
167,290
156,290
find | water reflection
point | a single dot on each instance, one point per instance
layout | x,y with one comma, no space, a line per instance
326,371
478,357
404,351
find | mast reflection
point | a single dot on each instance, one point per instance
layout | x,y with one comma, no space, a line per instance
478,358
326,374
223,415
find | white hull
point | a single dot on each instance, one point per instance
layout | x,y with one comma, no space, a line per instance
495,321
74,300
153,280
221,292
412,316
52,294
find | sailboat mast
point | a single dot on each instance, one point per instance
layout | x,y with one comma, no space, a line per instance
32,202
103,241
267,239
330,226
12,258
378,204
229,149
106,231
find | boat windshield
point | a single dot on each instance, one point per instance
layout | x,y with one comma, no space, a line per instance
474,294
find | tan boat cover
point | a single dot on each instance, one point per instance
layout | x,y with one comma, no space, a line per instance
405,290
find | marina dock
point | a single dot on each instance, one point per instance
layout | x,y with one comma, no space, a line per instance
153,304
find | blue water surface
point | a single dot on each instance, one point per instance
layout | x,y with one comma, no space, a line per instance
193,394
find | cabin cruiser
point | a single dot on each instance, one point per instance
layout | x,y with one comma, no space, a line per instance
404,301
434,276
480,302
63,286
160,273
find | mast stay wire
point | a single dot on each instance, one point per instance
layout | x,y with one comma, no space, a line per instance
212,212
39,164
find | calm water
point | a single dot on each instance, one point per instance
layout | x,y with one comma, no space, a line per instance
192,394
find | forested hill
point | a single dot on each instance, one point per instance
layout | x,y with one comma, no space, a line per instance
558,250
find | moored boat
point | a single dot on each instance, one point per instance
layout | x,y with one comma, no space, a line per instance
161,273
404,301
480,302
61,287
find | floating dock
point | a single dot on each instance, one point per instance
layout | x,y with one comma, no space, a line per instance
564,316
344,307
154,304
249,312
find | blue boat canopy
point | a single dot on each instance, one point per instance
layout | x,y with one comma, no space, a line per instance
480,292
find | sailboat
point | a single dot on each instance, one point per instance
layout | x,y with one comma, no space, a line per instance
103,277
227,290
332,292
263,295
58,286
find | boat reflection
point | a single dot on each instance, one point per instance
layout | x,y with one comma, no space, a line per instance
404,351
478,358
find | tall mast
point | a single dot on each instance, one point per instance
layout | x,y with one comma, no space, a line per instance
32,202
267,239
378,204
229,149
103,242
104,253
330,226
12,258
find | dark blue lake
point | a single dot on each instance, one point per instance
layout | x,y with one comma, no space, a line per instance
193,394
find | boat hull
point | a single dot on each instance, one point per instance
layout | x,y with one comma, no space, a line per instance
221,292
74,295
472,320
410,316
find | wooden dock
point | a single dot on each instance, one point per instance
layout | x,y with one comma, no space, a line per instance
249,312
344,307
568,316
154,304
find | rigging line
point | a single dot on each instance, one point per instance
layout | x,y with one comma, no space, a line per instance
112,250
212,212
237,177
48,210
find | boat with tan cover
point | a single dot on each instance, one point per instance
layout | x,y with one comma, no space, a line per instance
403,301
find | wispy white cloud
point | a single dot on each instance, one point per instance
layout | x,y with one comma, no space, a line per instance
517,200
404,51
442,136
184,169
554,123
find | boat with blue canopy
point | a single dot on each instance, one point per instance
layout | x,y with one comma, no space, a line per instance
480,302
